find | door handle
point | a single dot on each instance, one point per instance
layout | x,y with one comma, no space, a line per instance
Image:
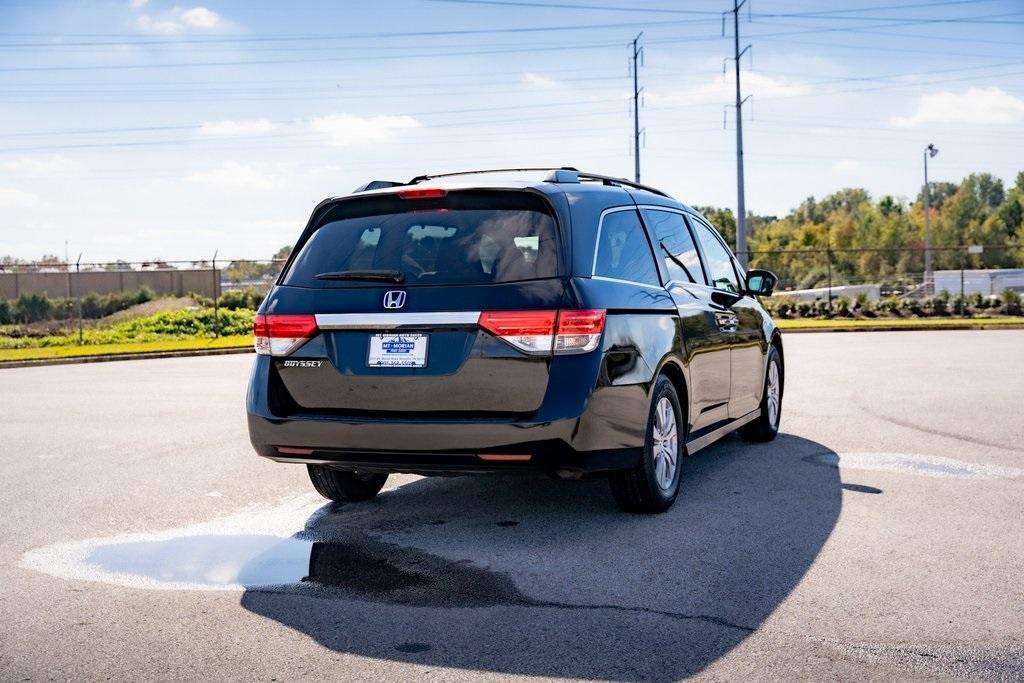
727,322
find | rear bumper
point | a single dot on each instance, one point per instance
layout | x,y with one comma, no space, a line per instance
602,432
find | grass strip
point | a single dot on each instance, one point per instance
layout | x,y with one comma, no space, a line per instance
76,351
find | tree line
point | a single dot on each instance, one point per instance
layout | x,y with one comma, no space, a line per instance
883,240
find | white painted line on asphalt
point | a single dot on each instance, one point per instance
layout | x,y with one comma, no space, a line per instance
909,463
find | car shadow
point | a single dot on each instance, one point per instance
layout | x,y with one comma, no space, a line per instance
548,578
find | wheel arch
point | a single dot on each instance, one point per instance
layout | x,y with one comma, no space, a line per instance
673,370
776,341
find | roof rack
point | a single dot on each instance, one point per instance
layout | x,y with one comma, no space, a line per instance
560,174
610,180
421,178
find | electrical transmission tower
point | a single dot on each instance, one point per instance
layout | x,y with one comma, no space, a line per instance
741,208
636,61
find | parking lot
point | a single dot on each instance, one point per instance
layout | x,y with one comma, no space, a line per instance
880,536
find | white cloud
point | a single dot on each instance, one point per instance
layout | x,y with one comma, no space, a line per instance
722,91
344,129
846,165
181,20
976,106
148,24
137,4
538,81
200,17
39,166
231,174
231,128
11,198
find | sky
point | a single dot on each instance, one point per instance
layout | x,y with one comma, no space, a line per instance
142,129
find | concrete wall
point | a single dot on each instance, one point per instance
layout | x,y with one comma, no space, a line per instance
177,282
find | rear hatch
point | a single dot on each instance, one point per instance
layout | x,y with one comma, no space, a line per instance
397,284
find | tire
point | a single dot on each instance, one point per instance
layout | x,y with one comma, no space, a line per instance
345,487
766,426
652,486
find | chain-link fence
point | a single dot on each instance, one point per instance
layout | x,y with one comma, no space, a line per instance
54,297
894,271
58,296
965,280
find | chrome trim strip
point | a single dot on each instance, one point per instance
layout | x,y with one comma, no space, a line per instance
391,321
626,282
708,439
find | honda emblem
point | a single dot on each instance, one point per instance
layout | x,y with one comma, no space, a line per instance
394,299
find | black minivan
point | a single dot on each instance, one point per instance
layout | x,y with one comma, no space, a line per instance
543,320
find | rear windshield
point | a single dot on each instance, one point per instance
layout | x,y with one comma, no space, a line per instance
468,237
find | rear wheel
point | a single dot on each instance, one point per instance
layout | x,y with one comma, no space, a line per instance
345,487
652,486
766,426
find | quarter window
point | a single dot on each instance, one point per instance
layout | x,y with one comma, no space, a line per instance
717,259
674,245
622,250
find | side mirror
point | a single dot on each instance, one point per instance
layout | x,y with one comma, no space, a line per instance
761,282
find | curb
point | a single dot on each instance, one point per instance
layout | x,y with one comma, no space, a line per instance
123,356
900,328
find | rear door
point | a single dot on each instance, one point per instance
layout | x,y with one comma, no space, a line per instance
746,337
397,283
706,344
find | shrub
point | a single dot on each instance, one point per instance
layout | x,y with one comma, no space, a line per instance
241,298
1012,302
6,313
31,308
164,325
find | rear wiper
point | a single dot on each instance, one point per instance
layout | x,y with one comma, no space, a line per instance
395,276
676,259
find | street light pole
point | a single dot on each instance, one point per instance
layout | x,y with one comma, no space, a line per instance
929,151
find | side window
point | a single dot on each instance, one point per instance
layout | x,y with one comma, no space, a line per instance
674,245
622,250
717,258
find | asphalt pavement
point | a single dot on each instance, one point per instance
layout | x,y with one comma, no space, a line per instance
880,536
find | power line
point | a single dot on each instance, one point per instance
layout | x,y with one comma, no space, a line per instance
322,60
335,36
658,10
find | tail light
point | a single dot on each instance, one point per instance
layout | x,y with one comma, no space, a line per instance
578,331
541,332
529,331
279,335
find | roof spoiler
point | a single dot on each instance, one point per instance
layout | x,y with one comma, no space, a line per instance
377,185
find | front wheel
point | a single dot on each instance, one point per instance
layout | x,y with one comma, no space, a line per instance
766,426
652,486
345,487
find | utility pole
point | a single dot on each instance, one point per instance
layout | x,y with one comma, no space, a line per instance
638,55
741,208
929,151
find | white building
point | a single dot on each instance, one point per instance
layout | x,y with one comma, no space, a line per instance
993,281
